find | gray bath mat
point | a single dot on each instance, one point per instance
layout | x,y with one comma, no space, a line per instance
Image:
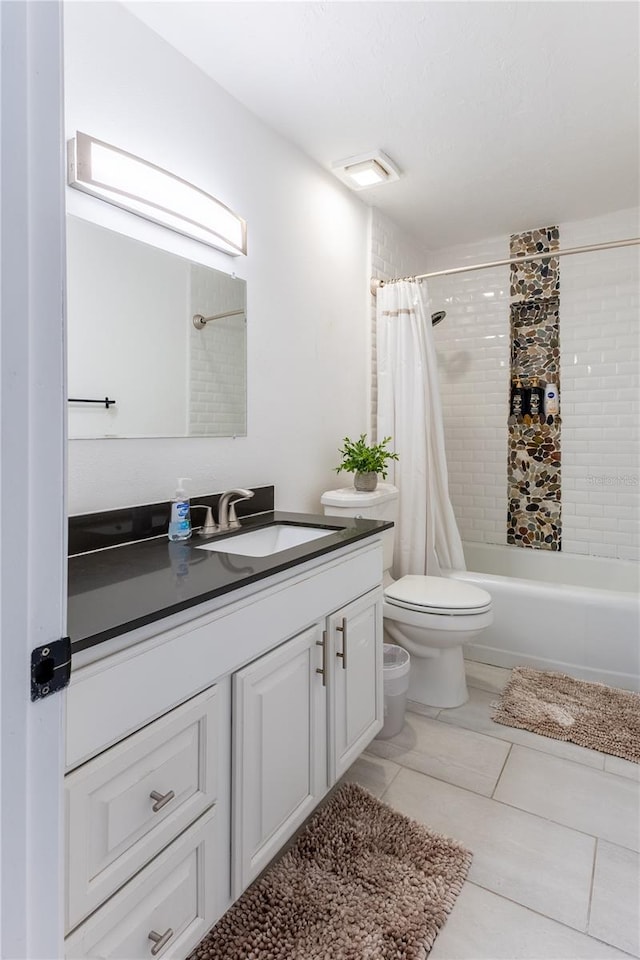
362,882
590,714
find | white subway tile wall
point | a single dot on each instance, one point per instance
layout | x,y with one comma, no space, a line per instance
600,381
217,354
600,389
473,359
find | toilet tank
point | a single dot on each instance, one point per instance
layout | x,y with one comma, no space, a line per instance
381,504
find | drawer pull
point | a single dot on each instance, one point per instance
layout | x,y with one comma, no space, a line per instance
343,631
160,940
161,799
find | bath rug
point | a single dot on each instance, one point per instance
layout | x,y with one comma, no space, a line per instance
361,882
590,714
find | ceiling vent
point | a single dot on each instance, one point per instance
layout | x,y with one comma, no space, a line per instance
366,170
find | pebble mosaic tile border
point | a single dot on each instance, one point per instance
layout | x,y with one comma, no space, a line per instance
534,524
534,484
537,278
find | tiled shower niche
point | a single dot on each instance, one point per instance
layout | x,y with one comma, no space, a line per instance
534,504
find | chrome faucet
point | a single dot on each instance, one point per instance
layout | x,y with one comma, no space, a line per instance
227,519
209,526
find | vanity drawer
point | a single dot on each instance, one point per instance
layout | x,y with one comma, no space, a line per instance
171,897
125,805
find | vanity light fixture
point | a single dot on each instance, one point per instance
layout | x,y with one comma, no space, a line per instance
366,170
127,181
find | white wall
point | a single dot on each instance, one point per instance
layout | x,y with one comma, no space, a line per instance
307,328
217,356
600,389
600,383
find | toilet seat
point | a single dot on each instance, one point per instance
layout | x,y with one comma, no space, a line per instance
438,596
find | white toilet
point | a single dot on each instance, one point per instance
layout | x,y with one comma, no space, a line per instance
431,617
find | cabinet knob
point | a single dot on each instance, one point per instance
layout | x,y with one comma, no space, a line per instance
161,799
343,631
323,672
160,940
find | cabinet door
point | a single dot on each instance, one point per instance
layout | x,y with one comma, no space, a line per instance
355,680
279,751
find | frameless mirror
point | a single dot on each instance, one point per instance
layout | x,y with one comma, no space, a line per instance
138,364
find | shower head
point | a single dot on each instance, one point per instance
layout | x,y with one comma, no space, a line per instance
437,317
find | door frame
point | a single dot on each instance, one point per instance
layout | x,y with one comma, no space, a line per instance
32,475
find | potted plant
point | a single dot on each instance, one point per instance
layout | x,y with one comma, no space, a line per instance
366,461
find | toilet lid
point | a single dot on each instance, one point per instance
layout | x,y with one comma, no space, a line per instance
437,595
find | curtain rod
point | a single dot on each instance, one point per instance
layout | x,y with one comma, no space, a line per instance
547,255
200,322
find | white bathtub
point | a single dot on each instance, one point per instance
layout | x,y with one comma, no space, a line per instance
555,611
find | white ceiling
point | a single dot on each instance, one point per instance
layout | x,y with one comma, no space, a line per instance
501,115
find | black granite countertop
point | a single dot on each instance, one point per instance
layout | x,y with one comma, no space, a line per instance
116,590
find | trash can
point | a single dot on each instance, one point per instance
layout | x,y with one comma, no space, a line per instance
395,669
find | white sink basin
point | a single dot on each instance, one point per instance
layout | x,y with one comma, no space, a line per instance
267,540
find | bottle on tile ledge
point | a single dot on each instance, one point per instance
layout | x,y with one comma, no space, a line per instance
517,407
551,400
536,399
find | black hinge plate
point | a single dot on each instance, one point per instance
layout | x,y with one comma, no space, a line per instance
50,668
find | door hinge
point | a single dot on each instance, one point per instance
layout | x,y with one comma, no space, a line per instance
50,668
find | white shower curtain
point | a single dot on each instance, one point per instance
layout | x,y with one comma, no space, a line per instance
427,538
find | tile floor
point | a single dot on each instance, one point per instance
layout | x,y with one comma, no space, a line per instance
554,829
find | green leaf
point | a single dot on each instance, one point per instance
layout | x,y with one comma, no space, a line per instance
360,457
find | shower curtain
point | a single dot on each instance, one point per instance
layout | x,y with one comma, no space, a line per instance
427,538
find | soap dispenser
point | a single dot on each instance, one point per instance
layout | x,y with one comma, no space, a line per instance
536,399
180,522
517,406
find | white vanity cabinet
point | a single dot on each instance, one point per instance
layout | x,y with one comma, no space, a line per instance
244,714
301,715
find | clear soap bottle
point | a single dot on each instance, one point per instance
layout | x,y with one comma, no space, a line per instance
180,522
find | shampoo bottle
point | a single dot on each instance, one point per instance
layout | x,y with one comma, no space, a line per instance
517,406
536,399
180,522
